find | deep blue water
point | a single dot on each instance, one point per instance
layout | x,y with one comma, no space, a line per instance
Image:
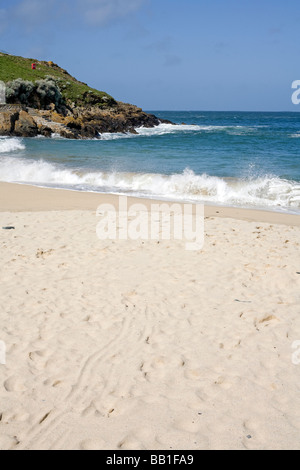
232,158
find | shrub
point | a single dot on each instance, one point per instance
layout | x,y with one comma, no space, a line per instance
48,92
40,94
19,91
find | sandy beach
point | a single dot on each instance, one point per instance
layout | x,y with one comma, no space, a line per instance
131,344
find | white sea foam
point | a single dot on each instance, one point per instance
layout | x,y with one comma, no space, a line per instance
268,191
163,129
115,135
10,144
37,172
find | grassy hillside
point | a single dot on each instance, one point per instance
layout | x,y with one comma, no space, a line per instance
73,91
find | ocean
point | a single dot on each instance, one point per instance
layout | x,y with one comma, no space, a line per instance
239,159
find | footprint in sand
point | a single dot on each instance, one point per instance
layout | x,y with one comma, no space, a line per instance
92,444
188,425
130,443
251,430
193,374
223,382
14,384
39,358
17,416
8,442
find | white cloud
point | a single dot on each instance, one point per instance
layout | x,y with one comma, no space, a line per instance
32,11
99,12
42,15
30,15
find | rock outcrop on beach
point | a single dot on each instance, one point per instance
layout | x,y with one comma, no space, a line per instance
8,118
78,123
48,100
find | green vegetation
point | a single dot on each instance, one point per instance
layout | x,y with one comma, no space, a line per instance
39,94
73,92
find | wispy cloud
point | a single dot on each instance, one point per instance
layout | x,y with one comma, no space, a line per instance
161,45
275,31
99,12
171,60
164,47
34,14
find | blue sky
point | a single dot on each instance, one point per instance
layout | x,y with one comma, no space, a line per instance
166,54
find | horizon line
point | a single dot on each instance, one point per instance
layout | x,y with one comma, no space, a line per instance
214,111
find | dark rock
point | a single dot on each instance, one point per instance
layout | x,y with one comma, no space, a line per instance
45,131
7,121
77,123
25,126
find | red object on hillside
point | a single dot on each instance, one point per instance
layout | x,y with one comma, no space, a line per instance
33,66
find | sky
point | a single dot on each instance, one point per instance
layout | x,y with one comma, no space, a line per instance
218,55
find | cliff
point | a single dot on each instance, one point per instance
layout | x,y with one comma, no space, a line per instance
47,100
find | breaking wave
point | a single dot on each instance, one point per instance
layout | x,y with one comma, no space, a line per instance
10,144
267,191
163,129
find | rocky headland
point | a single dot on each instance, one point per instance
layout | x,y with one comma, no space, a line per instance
78,123
47,100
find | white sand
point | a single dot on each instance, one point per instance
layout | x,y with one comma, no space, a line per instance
145,345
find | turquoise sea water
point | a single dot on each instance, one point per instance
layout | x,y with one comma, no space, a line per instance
229,158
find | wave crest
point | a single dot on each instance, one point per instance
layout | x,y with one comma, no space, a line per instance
163,129
267,191
10,144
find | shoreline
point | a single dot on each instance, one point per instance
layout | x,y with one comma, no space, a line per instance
122,344
15,197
